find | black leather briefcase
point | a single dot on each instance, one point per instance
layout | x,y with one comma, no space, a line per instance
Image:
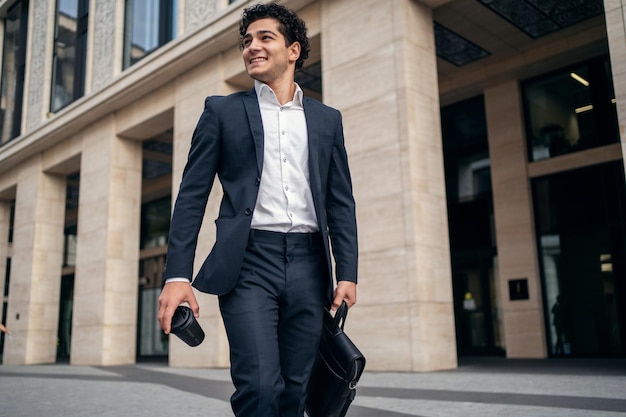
337,369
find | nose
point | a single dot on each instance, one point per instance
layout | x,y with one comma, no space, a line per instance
253,47
254,44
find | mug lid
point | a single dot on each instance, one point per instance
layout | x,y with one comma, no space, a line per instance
182,318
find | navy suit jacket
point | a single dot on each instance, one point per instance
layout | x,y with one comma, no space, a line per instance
228,142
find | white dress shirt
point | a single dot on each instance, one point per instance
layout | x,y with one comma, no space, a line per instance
284,203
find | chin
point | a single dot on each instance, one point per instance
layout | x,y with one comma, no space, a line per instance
258,77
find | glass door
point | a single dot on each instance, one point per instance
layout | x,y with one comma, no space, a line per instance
475,306
581,229
64,331
152,343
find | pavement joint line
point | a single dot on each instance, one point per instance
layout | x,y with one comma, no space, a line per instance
558,401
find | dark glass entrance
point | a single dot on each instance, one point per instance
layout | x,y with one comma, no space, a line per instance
470,222
581,230
476,304
152,343
64,335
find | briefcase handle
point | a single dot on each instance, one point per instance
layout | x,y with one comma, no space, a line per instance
339,320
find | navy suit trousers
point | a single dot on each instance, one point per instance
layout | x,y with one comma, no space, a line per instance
273,319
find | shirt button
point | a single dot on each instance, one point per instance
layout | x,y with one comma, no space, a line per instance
284,159
286,188
282,132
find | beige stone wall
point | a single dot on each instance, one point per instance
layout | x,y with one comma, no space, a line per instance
105,286
398,181
384,80
5,217
379,69
39,64
615,13
35,265
524,334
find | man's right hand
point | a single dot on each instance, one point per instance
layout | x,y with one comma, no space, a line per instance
173,295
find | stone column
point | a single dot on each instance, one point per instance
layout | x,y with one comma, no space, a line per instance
198,12
384,50
524,330
36,263
106,32
107,254
39,65
615,14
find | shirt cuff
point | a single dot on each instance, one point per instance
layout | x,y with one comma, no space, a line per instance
177,279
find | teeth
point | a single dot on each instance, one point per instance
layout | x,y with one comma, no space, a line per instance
257,59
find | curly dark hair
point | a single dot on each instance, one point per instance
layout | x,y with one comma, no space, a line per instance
291,26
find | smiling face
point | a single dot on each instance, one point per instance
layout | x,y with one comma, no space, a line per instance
266,55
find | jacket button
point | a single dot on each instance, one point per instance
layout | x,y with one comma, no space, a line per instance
248,212
258,181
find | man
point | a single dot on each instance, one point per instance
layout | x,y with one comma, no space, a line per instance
282,164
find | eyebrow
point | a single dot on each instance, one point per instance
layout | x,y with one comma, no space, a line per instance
260,32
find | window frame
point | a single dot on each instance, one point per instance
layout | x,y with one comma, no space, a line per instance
20,70
80,59
603,118
166,29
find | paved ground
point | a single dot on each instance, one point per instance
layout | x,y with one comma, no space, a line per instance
479,387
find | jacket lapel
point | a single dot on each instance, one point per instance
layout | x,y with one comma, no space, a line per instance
251,103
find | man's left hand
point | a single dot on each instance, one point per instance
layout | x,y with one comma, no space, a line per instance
346,290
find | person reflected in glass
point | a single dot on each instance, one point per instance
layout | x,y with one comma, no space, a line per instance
558,320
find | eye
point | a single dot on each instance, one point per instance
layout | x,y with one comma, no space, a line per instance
245,43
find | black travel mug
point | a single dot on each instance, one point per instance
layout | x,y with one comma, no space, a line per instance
186,327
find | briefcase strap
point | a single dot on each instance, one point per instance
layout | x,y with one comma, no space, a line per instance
339,320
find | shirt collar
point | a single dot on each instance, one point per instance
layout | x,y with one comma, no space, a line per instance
262,89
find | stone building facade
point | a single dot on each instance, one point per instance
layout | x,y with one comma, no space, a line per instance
85,188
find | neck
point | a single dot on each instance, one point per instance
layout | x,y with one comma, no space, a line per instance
284,89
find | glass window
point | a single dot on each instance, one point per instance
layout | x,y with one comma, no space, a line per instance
13,64
580,224
464,133
149,25
7,278
11,221
151,341
570,110
155,222
71,219
70,52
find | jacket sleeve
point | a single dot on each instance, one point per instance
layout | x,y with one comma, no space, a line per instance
341,211
195,187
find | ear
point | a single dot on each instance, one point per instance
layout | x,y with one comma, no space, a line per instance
294,51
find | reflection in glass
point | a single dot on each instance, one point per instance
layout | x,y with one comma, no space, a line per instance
580,228
13,64
70,45
151,341
149,25
155,223
570,110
